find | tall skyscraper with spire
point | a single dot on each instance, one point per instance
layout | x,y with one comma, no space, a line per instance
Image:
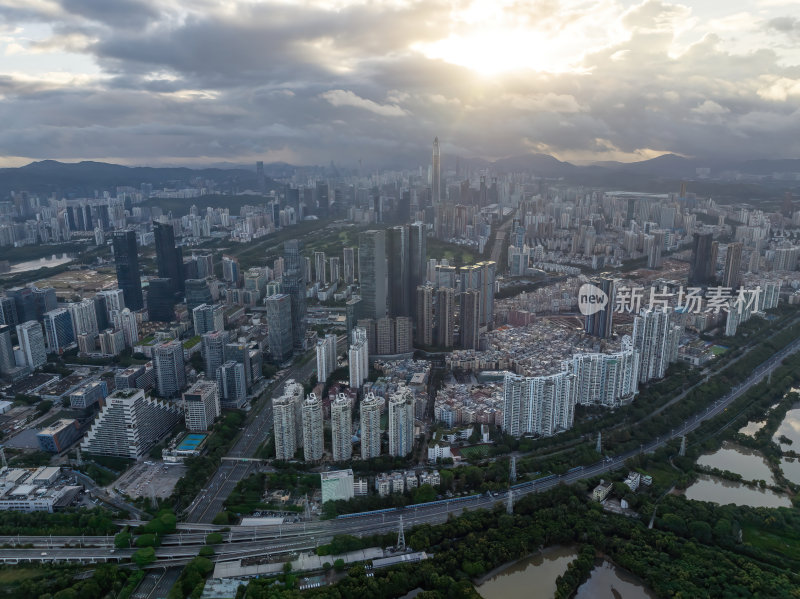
436,174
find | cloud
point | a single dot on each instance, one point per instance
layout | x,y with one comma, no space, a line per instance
340,97
233,80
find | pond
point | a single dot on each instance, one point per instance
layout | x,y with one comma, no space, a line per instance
723,492
53,260
791,469
789,428
741,460
609,581
532,577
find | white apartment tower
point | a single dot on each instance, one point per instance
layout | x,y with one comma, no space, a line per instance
326,357
401,422
370,426
342,428
312,428
540,405
358,356
169,367
287,421
201,405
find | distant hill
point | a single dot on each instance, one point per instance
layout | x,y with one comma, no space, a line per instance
84,179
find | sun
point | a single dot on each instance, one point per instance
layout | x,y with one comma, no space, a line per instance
496,52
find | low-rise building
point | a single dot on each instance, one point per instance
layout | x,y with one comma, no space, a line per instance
337,484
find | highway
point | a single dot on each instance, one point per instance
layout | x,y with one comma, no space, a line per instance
210,501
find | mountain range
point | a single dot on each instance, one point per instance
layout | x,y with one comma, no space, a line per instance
84,179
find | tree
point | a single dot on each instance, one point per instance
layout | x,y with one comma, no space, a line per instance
144,556
338,565
214,538
122,540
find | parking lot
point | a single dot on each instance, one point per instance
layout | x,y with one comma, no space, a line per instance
150,478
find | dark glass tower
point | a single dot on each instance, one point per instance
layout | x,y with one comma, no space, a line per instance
126,259
294,285
161,300
702,267
399,272
169,259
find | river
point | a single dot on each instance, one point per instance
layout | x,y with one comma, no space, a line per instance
54,260
750,464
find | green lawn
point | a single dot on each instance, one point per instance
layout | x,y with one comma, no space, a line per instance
474,452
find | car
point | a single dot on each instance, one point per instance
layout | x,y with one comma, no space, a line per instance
44,553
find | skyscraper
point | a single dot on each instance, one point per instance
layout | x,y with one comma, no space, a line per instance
7,362
31,342
401,422
446,317
540,405
469,319
208,318
279,322
161,299
654,337
320,268
197,293
370,427
201,406
399,272
326,357
240,352
733,262
294,285
372,273
286,415
418,252
213,350
358,357
600,323
58,330
126,260
230,270
349,265
341,428
169,258
703,264
169,367
312,428
436,174
424,315
231,384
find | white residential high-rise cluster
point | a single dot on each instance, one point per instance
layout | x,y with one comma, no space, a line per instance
539,405
606,379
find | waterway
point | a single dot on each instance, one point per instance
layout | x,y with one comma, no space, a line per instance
607,581
532,577
54,260
741,460
723,492
789,428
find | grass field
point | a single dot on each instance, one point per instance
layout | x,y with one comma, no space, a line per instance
718,350
455,254
475,452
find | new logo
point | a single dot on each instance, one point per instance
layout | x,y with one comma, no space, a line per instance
591,299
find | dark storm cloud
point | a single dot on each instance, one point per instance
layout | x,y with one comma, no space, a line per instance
312,84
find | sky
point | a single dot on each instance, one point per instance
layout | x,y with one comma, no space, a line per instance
197,82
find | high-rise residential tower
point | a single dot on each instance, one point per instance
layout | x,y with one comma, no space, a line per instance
370,426
312,428
401,422
372,273
341,428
